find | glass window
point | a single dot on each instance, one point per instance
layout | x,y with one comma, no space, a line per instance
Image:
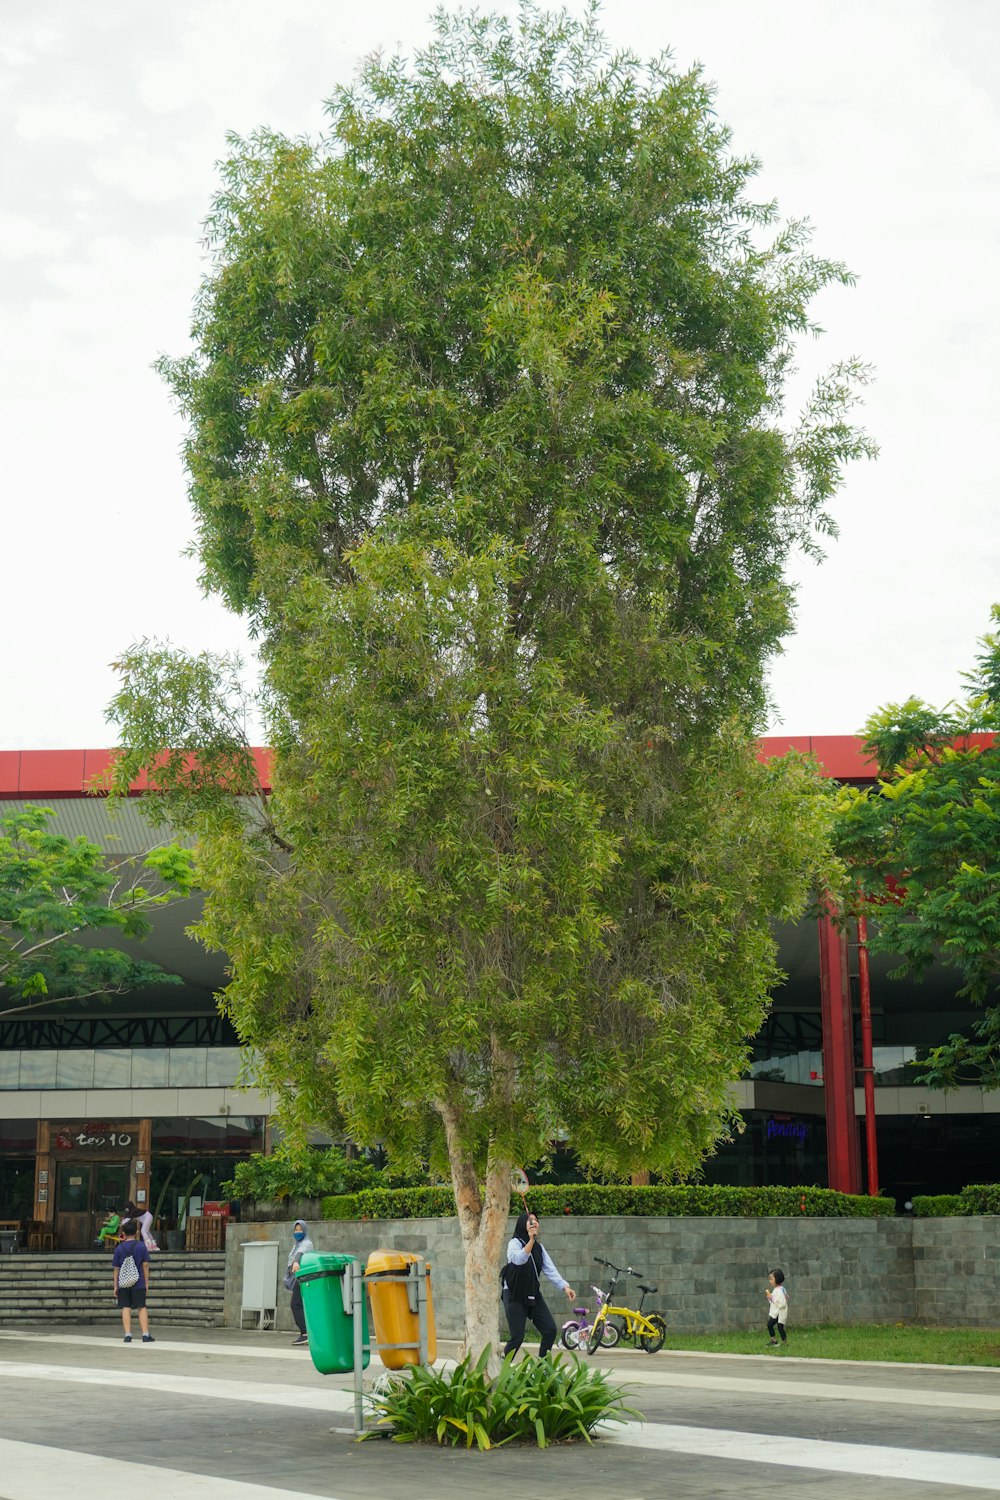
74,1068
150,1068
10,1062
38,1070
73,1187
187,1067
222,1066
113,1068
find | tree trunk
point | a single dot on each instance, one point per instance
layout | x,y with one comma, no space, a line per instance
482,1218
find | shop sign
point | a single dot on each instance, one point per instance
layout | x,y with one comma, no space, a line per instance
794,1130
92,1138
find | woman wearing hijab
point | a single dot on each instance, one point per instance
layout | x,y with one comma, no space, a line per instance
301,1244
527,1262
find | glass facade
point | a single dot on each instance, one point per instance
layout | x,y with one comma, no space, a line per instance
121,1068
789,1046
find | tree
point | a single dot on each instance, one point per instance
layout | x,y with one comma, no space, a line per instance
53,890
486,443
924,846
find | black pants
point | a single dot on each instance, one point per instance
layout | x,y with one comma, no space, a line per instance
298,1311
772,1324
517,1315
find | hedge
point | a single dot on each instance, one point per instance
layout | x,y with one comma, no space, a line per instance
981,1198
937,1205
699,1200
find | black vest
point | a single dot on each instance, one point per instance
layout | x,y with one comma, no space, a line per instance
522,1282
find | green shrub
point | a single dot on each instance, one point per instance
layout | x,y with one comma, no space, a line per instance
937,1205
310,1174
536,1400
698,1199
981,1198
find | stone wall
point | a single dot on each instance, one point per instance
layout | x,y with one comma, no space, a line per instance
956,1271
710,1272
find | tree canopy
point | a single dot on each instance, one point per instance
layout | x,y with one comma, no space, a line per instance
54,890
487,441
923,848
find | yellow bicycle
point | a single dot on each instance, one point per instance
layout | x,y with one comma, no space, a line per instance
648,1330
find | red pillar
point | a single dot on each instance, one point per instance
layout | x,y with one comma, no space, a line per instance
843,1164
867,1057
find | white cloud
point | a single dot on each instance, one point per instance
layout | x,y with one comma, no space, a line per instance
21,236
866,123
65,122
158,176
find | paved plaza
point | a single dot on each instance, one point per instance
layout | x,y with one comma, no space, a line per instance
223,1415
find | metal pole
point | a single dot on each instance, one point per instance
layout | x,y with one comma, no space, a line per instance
357,1305
867,1057
421,1270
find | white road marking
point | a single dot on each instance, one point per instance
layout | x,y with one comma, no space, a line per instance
192,1348
867,1395
265,1350
327,1399
28,1467
964,1470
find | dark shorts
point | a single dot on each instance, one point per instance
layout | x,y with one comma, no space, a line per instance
132,1296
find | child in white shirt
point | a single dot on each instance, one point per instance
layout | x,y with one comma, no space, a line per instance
778,1306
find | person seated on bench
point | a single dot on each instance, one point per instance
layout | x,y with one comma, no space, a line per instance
109,1232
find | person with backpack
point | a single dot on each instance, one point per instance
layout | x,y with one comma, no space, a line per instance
131,1271
527,1262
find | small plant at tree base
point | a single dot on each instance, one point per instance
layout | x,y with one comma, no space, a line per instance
540,1401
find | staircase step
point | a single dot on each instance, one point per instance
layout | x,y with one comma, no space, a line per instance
74,1287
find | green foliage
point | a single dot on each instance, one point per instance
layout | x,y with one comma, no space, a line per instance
981,1198
539,1401
593,1199
924,846
55,889
888,1342
937,1205
486,440
300,1174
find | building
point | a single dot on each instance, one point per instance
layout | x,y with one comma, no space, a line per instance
140,1096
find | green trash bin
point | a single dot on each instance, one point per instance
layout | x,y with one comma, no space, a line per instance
325,1283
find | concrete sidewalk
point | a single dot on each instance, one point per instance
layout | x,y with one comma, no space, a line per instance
223,1415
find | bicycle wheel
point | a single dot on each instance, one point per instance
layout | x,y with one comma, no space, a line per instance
596,1336
571,1336
610,1334
653,1342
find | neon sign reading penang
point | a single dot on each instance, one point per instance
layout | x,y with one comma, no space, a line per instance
795,1130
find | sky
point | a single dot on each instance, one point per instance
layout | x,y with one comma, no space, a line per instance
875,119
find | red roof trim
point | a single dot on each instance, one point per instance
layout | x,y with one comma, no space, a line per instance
47,775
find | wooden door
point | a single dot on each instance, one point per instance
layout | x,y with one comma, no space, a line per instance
74,1215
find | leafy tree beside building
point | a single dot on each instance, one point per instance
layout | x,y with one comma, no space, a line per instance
923,847
57,894
487,443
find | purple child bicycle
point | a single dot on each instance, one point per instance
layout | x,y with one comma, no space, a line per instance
576,1331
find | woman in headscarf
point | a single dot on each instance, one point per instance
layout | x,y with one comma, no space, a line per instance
527,1262
301,1244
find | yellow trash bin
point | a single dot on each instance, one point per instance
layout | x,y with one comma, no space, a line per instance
394,1307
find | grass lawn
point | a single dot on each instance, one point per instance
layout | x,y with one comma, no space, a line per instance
899,1341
